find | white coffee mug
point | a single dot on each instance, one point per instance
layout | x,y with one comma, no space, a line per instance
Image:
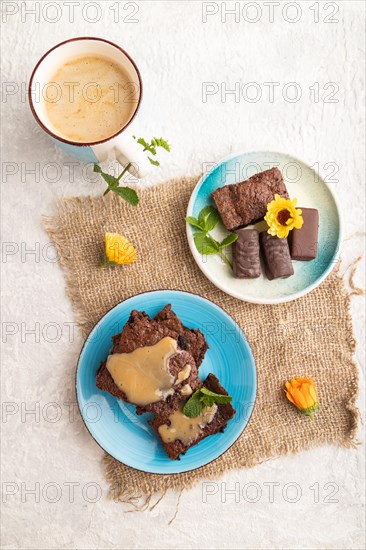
120,146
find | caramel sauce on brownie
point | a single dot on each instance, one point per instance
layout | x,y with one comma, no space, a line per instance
184,428
143,375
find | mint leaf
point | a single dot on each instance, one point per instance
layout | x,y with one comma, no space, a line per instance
222,399
205,244
208,218
194,406
207,400
217,397
204,214
203,398
151,147
160,142
230,239
111,180
205,391
193,221
147,146
128,194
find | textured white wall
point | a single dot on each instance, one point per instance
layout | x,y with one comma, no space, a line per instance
176,52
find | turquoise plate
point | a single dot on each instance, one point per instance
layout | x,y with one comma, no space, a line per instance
116,426
311,190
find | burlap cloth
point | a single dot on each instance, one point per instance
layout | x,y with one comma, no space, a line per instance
310,336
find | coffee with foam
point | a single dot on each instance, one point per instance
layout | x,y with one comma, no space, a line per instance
90,98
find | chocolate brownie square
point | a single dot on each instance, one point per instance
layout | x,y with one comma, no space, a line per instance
246,202
141,331
168,420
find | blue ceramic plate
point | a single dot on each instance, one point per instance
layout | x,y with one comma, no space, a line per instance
128,437
311,190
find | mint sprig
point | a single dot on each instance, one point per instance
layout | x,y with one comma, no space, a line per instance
205,243
152,146
203,398
127,193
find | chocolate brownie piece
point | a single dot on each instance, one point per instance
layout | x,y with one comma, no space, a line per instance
140,331
246,202
191,340
169,319
221,415
176,364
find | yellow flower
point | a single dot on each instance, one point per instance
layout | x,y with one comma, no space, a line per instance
282,216
302,393
118,250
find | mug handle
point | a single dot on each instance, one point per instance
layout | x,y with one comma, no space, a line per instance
127,150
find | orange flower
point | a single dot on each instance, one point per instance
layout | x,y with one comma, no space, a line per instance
302,393
118,250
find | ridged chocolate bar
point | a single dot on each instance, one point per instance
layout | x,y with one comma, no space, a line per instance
243,203
246,259
276,254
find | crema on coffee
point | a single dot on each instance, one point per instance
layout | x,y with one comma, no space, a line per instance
90,98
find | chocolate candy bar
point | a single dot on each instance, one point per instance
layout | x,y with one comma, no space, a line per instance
246,260
243,203
304,241
276,255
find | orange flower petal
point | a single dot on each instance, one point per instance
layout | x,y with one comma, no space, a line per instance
288,395
313,393
302,393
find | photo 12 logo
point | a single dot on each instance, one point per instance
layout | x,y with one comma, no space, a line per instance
254,12
269,491
270,92
71,11
292,171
